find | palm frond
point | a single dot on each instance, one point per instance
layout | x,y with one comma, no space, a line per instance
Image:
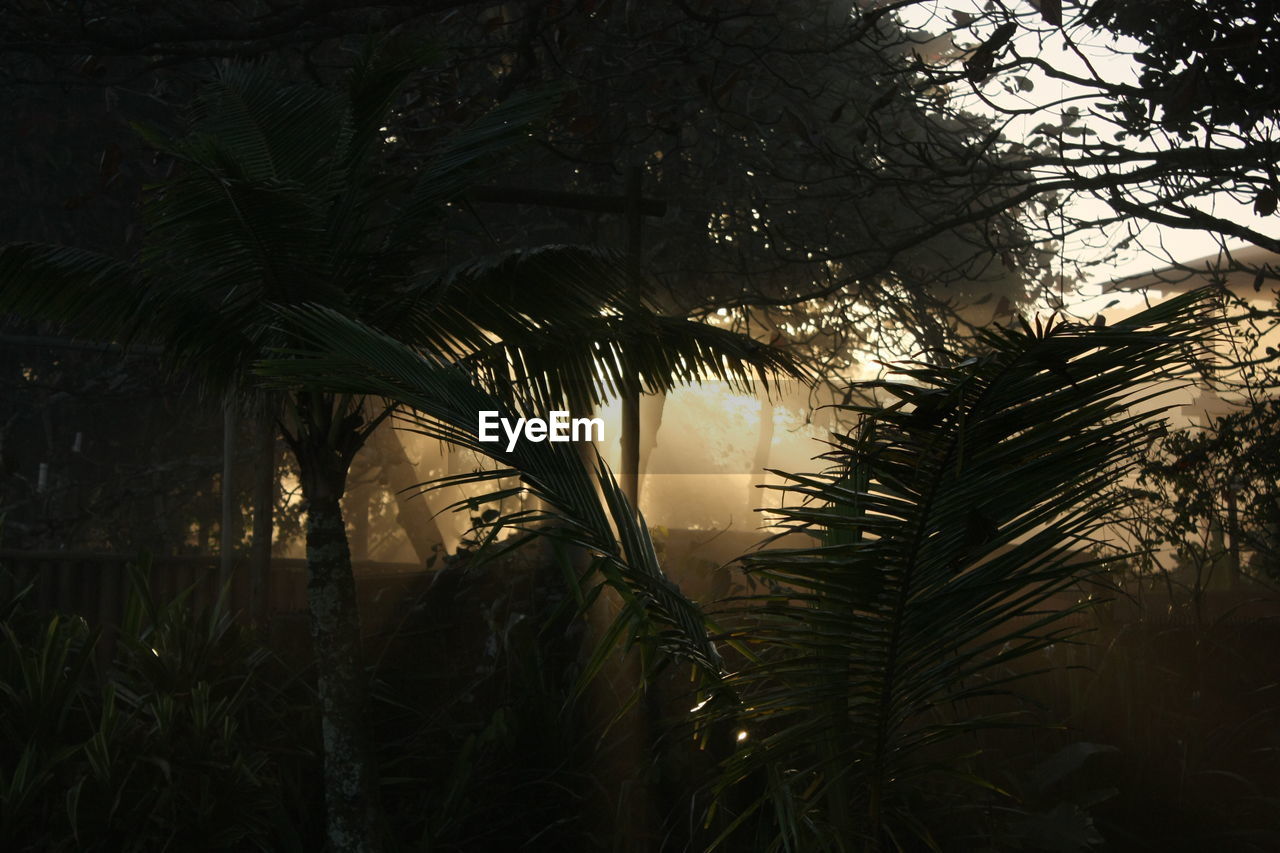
558,327
344,356
250,123
945,523
586,362
85,290
240,243
276,201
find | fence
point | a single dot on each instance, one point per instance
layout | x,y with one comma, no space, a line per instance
96,586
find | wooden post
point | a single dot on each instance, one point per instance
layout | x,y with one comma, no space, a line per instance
630,479
264,504
226,546
1233,538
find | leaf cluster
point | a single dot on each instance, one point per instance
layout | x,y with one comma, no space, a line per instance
1191,478
944,524
946,521
187,740
1203,64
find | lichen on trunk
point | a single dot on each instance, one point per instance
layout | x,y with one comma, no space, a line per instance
350,776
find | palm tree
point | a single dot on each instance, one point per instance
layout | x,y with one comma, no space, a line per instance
279,199
946,522
949,517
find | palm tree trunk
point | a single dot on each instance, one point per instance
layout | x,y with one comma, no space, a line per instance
350,777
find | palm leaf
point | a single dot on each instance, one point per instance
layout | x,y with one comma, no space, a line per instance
945,523
82,289
345,356
558,327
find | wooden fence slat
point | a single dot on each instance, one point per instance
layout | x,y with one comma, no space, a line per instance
65,588
43,590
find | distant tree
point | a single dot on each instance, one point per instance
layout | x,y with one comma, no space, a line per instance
806,175
95,453
794,162
1211,496
874,151
893,124
1153,133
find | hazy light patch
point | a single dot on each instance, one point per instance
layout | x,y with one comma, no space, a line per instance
704,468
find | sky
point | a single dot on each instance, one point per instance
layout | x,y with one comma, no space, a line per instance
1158,247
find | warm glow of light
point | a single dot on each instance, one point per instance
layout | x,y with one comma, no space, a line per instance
705,463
